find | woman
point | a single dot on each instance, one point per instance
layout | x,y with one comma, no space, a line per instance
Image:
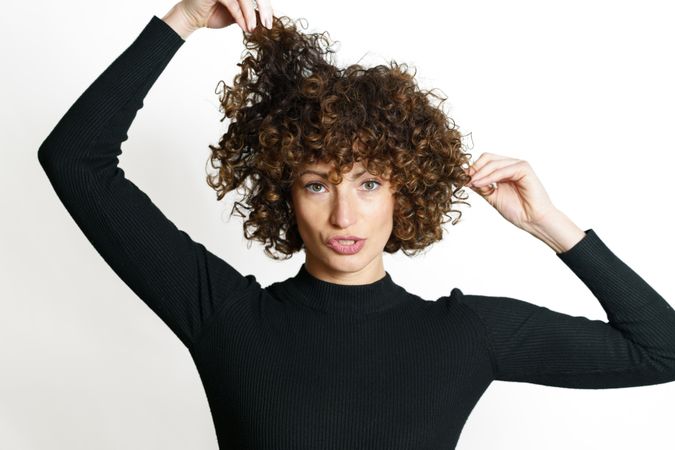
340,356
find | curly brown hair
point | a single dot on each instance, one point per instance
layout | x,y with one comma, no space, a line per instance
290,107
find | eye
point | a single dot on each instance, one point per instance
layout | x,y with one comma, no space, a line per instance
372,181
308,186
312,184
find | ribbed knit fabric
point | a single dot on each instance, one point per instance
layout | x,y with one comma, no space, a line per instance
308,364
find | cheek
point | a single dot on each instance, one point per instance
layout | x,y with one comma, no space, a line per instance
384,213
305,211
305,217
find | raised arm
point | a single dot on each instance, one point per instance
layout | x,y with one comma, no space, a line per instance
533,344
178,278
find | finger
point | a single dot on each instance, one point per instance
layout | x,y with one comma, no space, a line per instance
233,7
486,191
481,161
249,12
266,13
486,157
489,167
511,170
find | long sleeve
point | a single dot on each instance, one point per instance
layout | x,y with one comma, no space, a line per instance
530,343
178,278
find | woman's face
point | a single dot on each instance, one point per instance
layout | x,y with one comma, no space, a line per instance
362,205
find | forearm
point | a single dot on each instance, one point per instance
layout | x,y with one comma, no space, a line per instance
557,231
177,20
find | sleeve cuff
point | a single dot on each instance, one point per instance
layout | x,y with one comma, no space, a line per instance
588,248
158,27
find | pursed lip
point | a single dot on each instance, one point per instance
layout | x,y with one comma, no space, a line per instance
344,238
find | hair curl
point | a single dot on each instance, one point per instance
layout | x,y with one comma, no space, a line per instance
290,107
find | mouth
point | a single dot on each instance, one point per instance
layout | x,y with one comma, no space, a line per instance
344,240
346,245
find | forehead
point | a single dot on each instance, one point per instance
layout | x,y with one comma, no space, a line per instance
324,169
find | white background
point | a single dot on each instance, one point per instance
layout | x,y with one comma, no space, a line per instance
583,90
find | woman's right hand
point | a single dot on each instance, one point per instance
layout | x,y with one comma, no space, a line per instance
222,13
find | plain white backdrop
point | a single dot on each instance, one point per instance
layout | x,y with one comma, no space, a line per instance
581,89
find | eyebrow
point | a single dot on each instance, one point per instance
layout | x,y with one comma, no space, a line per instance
324,175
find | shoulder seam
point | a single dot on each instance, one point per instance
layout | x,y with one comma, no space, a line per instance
216,314
487,339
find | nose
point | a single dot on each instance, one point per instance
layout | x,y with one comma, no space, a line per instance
343,209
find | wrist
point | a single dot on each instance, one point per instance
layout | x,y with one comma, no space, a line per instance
177,19
557,231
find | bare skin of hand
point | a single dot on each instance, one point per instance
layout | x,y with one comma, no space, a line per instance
517,195
222,13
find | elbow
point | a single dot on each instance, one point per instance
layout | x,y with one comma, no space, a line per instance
44,158
661,363
52,159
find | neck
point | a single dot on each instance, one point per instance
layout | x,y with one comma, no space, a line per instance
347,275
377,296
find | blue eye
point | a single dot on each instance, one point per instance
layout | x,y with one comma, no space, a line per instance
307,186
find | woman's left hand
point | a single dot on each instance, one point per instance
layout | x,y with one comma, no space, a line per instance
518,195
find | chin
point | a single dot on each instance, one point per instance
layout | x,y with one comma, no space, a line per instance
348,263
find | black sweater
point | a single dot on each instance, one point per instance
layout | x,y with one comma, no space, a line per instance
307,364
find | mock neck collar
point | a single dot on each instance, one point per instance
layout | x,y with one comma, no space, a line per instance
330,297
